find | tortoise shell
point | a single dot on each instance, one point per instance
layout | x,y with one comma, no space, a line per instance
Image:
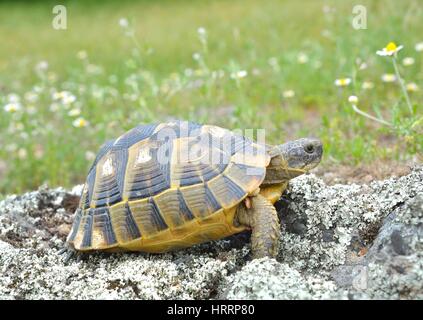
159,187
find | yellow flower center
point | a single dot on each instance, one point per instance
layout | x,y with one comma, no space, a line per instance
391,47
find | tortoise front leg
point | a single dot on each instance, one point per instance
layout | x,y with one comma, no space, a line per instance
262,218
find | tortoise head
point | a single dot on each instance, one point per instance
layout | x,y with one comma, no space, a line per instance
294,158
302,154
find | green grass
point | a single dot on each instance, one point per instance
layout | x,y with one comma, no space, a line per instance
153,77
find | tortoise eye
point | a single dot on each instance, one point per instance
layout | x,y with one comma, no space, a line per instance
309,148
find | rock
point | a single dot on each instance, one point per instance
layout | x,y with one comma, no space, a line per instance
393,266
338,242
268,279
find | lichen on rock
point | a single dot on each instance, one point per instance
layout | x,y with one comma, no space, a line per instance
338,242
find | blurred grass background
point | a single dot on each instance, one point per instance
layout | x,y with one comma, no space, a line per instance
291,51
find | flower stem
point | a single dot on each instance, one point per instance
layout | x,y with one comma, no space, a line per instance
365,114
401,82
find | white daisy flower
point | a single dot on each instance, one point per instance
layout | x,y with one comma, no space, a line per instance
239,74
196,56
124,23
390,50
65,97
201,31
389,77
68,99
80,123
343,82
353,99
12,107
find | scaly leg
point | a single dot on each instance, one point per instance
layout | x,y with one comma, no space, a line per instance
262,218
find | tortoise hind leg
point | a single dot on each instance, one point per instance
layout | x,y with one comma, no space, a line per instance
262,218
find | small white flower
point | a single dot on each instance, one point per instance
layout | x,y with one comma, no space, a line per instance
82,55
343,82
68,99
367,85
412,87
353,99
41,66
74,112
288,94
419,47
196,56
80,123
12,107
388,77
201,31
239,74
124,23
302,58
408,61
65,97
390,50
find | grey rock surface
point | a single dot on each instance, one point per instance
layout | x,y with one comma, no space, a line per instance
338,242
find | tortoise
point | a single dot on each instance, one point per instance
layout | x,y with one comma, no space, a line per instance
166,186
